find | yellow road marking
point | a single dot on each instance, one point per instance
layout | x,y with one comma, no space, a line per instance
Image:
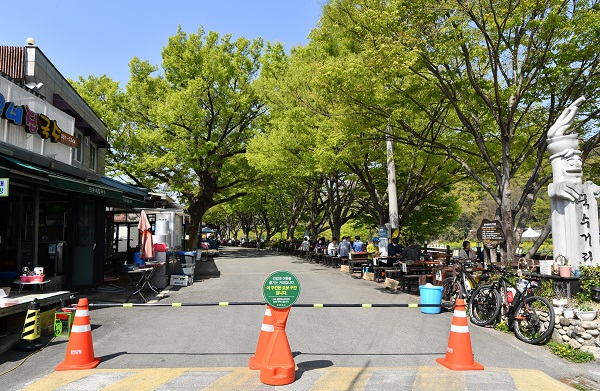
430,378
439,378
235,380
58,379
335,379
531,379
146,379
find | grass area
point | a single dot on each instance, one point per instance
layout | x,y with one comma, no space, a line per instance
567,352
502,326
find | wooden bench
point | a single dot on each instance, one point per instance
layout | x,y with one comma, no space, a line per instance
409,281
391,273
356,264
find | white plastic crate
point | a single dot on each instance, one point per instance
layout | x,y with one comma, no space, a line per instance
177,280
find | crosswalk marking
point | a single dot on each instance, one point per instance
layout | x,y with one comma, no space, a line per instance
343,379
439,378
149,379
530,379
238,378
317,379
58,379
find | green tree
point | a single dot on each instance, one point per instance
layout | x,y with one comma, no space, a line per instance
185,131
315,128
493,77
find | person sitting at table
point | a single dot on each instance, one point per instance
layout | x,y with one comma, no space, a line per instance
321,245
357,246
394,248
372,250
412,253
344,248
467,253
332,248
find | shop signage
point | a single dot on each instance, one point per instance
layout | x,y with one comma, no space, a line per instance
35,123
281,289
3,187
491,233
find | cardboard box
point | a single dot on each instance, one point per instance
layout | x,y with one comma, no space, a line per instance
369,276
47,321
391,283
177,280
345,269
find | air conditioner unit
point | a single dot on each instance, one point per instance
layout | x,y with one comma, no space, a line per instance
87,140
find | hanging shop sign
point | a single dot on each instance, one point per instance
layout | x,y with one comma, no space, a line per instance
3,187
35,123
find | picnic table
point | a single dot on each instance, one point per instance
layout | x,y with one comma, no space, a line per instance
411,275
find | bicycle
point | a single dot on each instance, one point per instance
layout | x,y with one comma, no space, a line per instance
462,284
530,317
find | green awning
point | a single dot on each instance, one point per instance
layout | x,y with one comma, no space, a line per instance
69,183
20,167
81,186
134,202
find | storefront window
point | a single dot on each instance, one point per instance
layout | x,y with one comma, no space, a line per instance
77,152
93,155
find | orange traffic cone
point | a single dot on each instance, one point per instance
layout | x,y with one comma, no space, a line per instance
278,367
266,331
459,355
80,350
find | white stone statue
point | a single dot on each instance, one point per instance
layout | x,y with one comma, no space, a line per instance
575,232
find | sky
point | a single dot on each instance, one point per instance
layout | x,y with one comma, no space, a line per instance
100,37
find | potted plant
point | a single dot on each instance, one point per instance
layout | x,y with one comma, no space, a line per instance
559,302
586,312
568,312
559,305
564,269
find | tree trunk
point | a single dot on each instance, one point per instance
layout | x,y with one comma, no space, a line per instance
538,242
192,232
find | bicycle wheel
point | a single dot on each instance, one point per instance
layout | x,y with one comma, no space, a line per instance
450,292
484,306
534,320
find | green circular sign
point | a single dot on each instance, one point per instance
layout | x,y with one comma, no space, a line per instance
281,289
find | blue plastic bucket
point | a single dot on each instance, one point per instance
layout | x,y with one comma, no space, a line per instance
431,294
137,260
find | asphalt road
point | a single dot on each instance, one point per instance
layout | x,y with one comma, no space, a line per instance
215,339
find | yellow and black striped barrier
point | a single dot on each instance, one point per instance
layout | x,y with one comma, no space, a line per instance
30,338
250,303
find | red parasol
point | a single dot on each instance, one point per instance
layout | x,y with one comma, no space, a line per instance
146,246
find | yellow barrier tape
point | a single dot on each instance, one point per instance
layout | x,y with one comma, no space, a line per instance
317,305
413,306
175,304
367,305
127,305
223,303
